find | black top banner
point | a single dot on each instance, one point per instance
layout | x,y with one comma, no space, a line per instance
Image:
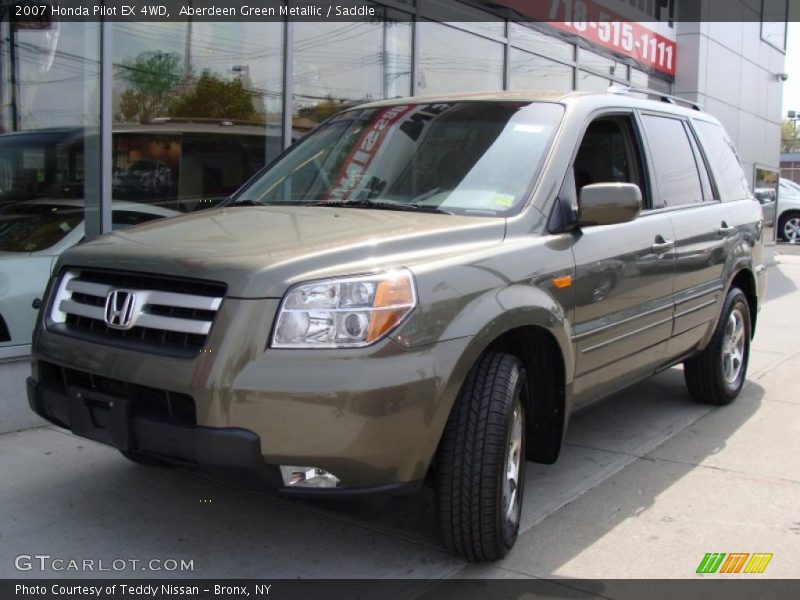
33,13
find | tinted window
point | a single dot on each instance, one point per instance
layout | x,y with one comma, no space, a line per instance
673,161
607,154
725,166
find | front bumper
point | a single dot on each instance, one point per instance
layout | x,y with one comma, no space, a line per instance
232,454
371,416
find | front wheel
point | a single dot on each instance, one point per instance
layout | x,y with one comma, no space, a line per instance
481,461
717,374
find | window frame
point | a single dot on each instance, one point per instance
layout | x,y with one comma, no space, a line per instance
569,188
651,163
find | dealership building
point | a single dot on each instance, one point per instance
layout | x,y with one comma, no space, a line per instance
109,124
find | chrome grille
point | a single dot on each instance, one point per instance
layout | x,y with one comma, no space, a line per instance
171,314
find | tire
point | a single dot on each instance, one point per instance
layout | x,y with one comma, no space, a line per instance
789,221
143,459
478,503
717,374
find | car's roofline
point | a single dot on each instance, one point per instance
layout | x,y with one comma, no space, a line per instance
621,99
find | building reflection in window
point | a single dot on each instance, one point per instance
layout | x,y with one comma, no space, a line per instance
452,60
337,65
197,109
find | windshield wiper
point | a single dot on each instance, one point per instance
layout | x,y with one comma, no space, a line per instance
375,204
380,205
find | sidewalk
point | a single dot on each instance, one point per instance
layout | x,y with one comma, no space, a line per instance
648,482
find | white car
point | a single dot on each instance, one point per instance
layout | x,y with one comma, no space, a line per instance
789,211
33,234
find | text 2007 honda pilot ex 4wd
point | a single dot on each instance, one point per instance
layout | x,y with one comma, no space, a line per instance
418,286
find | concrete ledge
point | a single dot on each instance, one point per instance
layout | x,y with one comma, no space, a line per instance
15,414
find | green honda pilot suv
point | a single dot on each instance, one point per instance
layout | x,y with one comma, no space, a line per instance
420,287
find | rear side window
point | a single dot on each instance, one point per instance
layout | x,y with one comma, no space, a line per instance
724,162
673,161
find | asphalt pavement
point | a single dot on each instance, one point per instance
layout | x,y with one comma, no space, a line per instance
647,484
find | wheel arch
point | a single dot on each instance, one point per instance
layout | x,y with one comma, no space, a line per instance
746,281
546,403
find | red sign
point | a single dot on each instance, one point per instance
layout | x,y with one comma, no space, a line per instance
352,171
601,26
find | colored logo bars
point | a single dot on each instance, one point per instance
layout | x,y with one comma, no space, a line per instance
719,562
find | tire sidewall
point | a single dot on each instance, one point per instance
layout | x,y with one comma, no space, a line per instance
509,532
782,224
735,299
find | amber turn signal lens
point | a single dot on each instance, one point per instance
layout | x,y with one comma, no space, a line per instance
393,299
562,282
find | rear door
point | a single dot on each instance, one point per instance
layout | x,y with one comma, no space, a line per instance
624,272
704,230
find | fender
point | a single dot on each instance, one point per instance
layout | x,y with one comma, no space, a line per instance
501,311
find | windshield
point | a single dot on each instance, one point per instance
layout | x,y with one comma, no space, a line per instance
476,158
36,227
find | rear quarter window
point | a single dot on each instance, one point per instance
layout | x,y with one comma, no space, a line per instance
724,162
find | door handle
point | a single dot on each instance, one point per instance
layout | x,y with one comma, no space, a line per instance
662,246
724,230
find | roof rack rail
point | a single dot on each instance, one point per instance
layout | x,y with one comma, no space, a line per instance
626,89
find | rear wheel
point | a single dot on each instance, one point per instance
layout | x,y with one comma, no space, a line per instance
481,461
789,227
717,374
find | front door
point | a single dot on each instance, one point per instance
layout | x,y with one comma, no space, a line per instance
624,272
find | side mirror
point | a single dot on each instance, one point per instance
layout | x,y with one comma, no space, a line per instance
609,204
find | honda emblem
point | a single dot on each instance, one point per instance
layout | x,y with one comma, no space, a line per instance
120,307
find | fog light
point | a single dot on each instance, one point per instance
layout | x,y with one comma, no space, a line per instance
308,477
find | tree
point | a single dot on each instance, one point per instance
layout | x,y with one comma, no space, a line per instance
789,137
151,77
212,97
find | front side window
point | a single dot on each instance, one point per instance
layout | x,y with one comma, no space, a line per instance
608,154
465,158
673,161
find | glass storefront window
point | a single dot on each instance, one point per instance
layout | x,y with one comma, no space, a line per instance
641,79
774,15
451,60
592,83
197,110
531,72
50,91
601,64
337,65
528,38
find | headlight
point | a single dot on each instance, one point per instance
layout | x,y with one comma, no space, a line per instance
344,313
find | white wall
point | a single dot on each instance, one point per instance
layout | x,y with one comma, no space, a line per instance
726,67
14,410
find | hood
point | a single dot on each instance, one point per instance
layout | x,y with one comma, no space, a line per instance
260,251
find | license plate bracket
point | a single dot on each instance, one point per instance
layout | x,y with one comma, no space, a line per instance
100,417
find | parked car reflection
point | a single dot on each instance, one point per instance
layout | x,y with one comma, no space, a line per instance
33,234
144,177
